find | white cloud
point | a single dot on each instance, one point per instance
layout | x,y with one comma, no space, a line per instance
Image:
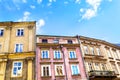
52,1
39,1
89,14
110,0
32,6
24,1
77,1
92,10
25,16
40,23
81,10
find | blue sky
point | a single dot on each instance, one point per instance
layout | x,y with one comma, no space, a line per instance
91,18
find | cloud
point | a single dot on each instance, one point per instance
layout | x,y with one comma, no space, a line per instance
19,1
110,0
40,23
25,16
77,1
92,10
39,1
52,1
32,6
66,2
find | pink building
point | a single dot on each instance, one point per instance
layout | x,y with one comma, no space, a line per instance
59,58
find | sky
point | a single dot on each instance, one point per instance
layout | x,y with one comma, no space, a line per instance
98,19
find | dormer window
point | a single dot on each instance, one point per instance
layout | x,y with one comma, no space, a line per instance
70,42
44,41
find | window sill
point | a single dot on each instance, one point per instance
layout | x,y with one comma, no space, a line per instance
59,75
75,74
110,58
72,58
16,76
57,58
45,58
46,76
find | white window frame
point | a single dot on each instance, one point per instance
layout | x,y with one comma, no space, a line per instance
72,55
18,71
92,50
98,51
3,31
109,53
56,74
77,69
42,54
19,47
85,49
57,54
20,32
42,70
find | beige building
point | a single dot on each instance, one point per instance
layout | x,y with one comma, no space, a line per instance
101,59
17,50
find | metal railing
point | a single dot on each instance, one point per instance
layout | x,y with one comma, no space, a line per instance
102,73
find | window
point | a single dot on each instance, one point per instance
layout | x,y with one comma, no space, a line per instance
57,54
72,54
19,48
17,69
59,70
98,51
45,70
0,47
75,69
56,41
114,68
116,55
103,67
85,50
45,54
20,32
97,67
44,41
92,50
70,42
90,66
108,53
1,32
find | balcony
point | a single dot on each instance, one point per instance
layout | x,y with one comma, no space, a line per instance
107,74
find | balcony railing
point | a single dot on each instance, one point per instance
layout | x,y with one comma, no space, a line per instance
96,73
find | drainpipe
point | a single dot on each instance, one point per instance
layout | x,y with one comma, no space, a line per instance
61,47
78,38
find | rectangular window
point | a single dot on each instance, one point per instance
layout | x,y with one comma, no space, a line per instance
98,51
70,42
59,70
85,50
108,53
17,69
19,48
72,54
44,54
97,67
20,32
75,69
44,41
56,41
103,67
1,32
45,70
114,68
90,66
92,50
57,54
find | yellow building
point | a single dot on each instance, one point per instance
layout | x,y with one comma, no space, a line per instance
101,59
17,50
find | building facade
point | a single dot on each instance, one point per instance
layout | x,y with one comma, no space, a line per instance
59,58
17,50
101,59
